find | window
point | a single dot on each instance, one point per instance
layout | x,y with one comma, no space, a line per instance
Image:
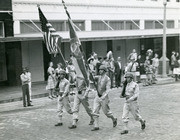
28,27
159,24
131,25
117,25
1,29
79,25
170,24
99,25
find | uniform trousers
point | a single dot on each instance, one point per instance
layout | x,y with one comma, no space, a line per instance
98,103
77,101
132,107
63,103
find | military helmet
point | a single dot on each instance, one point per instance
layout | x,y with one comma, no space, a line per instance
62,72
103,67
130,75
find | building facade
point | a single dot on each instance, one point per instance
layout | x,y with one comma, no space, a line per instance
116,25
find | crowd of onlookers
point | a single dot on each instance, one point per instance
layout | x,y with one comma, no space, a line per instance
143,68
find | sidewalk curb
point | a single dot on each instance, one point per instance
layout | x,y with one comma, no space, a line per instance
159,82
20,98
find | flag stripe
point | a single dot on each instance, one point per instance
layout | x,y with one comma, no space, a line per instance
50,40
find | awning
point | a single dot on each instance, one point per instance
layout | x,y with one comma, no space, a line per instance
97,35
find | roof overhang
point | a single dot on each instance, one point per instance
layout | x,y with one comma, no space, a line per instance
98,35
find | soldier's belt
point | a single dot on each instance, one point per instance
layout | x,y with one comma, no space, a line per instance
79,92
60,93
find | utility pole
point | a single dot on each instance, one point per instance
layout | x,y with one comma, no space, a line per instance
164,74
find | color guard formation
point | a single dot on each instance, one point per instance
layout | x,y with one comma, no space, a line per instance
63,82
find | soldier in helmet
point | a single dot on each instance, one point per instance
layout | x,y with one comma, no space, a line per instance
81,97
131,105
102,99
63,98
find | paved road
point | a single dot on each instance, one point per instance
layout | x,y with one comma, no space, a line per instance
159,105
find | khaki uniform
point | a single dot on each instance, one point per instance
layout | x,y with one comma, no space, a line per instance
131,104
79,98
63,91
104,85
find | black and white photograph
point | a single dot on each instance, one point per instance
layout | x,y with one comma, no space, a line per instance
89,69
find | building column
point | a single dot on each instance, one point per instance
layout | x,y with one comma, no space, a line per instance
142,24
17,27
87,25
176,24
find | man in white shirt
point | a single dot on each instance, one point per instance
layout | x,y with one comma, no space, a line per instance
30,83
25,87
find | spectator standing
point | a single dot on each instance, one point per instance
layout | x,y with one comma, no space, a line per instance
155,65
25,79
133,55
149,53
59,68
149,71
30,83
173,61
141,68
51,80
118,71
176,69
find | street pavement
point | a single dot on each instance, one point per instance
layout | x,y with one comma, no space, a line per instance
159,106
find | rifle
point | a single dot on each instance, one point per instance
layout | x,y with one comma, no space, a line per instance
122,95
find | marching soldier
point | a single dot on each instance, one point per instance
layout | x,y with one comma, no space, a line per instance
63,98
102,99
131,93
81,97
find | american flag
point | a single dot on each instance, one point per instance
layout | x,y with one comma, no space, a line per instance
50,35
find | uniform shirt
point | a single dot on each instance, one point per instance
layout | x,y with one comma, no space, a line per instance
80,84
104,84
64,86
24,78
132,90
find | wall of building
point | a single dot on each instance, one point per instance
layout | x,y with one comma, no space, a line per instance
13,63
3,68
32,57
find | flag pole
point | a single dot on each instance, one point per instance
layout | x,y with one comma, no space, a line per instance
87,66
59,49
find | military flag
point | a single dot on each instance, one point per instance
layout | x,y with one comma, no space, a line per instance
77,59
